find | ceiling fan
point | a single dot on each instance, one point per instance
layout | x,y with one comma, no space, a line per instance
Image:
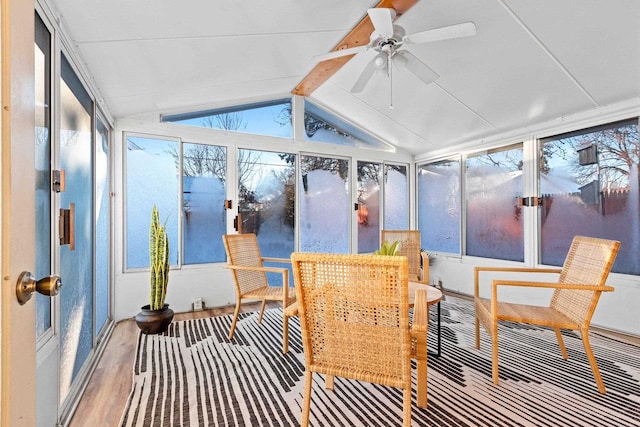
386,45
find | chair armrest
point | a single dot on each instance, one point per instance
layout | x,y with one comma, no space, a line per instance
280,260
265,269
477,270
519,269
420,312
574,286
291,310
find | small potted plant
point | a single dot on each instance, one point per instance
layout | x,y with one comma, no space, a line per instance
156,316
388,248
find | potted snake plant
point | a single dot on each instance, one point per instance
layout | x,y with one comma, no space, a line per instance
156,316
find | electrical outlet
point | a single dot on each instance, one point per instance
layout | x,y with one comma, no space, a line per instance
198,304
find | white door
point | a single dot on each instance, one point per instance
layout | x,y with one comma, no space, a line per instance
18,181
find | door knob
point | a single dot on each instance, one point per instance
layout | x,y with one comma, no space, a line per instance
27,285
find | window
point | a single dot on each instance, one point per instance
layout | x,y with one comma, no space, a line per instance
151,179
494,219
396,197
266,200
589,186
204,219
266,118
368,206
42,51
102,224
321,126
396,202
76,263
439,205
324,204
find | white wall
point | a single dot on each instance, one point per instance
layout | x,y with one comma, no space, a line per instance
212,282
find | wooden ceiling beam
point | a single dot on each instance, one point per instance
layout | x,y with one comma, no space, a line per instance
358,36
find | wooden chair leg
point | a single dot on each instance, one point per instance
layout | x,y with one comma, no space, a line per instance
236,312
563,349
264,303
406,407
494,355
329,382
592,360
477,333
422,383
306,400
285,334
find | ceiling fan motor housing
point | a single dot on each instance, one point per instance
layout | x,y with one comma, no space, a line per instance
383,43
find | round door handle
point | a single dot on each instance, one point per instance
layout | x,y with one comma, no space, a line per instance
27,285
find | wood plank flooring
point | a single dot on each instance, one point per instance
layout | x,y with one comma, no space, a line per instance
105,397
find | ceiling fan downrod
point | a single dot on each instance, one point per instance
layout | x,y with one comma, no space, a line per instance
390,73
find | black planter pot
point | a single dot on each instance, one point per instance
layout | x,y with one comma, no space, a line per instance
154,321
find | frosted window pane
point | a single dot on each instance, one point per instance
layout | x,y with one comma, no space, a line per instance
439,206
43,169
151,179
204,170
272,118
76,267
589,183
102,225
396,197
324,205
368,206
267,199
494,219
322,126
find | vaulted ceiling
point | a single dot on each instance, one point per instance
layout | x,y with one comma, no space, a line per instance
530,61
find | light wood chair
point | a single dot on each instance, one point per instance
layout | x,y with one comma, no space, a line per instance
250,279
582,280
410,247
354,317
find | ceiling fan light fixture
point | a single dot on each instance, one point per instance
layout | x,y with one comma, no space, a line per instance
400,61
380,61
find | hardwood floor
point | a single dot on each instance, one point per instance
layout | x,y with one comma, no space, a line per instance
105,397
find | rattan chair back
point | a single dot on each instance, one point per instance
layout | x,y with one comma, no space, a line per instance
354,317
243,250
409,247
588,262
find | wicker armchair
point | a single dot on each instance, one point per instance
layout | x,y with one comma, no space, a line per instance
354,316
410,247
582,280
250,279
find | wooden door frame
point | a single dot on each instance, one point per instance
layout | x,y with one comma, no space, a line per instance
17,235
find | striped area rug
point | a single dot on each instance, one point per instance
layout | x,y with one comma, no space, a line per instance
193,376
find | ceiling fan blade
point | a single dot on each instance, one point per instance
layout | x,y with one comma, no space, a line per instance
339,53
382,20
453,31
415,66
365,76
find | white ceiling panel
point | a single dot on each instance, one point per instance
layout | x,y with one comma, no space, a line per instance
530,61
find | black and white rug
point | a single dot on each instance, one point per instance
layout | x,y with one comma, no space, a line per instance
193,376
